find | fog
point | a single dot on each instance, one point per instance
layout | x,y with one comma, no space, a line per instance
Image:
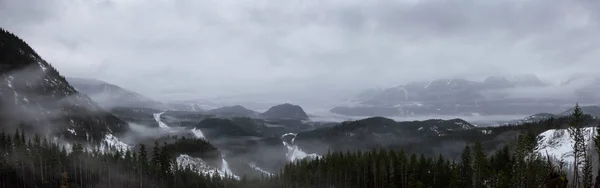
309,52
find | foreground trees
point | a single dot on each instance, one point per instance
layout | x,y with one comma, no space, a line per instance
39,163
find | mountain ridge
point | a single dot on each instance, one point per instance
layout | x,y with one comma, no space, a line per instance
35,96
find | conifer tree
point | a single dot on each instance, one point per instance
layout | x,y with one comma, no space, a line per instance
466,171
480,165
577,135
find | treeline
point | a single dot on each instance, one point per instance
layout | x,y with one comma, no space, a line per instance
390,168
38,162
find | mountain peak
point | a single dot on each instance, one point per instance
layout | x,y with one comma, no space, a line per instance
285,111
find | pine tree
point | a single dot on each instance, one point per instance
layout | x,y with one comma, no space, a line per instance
576,133
596,140
587,172
480,165
466,171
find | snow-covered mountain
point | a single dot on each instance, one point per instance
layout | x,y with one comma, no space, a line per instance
35,97
495,95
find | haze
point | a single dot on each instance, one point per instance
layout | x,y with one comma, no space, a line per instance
304,51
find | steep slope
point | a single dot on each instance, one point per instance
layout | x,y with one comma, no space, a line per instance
37,98
285,111
559,144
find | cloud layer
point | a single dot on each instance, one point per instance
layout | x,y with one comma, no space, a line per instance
299,49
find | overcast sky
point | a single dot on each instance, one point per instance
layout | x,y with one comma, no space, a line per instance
185,49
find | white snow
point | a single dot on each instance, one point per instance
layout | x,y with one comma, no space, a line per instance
111,141
253,166
225,168
42,66
198,133
199,166
72,131
559,144
9,82
427,86
462,125
160,123
486,131
294,153
405,93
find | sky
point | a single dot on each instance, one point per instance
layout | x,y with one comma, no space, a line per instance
300,49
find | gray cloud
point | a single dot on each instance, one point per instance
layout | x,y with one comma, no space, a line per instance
188,49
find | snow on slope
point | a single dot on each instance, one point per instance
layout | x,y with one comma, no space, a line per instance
111,141
558,143
198,133
253,166
225,167
294,152
160,123
199,166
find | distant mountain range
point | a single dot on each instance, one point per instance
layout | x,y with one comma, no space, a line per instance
593,111
519,95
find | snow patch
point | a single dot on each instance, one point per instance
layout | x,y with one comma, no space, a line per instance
42,66
462,125
111,141
559,144
294,152
198,133
253,166
199,166
427,86
72,131
160,123
225,168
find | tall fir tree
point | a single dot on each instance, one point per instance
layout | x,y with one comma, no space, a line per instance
577,135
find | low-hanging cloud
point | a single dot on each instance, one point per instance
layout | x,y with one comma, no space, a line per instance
198,49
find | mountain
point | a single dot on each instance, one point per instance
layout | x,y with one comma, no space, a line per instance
285,111
110,95
233,111
378,132
215,127
591,110
35,97
494,95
